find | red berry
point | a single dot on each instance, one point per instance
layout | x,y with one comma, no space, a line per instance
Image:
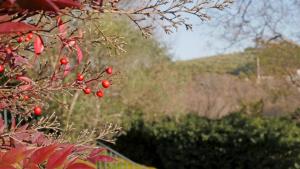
30,36
105,83
109,70
27,39
37,111
100,93
2,68
26,98
64,61
87,90
20,39
80,77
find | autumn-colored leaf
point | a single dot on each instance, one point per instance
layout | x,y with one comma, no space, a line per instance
13,156
42,154
66,3
31,166
4,18
58,158
100,158
47,5
25,87
61,28
38,45
4,166
80,166
79,54
24,79
96,152
14,27
77,163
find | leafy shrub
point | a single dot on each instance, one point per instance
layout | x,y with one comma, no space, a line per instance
236,141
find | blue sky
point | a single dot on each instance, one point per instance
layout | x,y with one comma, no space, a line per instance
203,41
207,39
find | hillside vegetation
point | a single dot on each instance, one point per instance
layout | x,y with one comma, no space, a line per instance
230,63
153,84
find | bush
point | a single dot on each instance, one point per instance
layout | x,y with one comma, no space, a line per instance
236,141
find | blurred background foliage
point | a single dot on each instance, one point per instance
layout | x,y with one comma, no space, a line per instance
167,107
148,80
238,141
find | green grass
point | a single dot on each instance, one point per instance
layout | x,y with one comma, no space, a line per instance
216,64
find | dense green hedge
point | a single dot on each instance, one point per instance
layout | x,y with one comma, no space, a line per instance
234,142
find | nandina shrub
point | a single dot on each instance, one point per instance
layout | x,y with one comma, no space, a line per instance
31,138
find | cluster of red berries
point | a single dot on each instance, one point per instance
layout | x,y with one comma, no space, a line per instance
100,93
26,39
8,50
105,83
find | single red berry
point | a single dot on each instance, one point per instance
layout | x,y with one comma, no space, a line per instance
30,36
80,77
27,39
26,98
105,83
20,39
87,90
37,111
109,70
100,93
2,68
64,61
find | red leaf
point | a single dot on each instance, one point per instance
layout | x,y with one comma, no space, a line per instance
4,18
13,156
58,158
25,87
4,166
47,5
24,79
42,154
100,158
67,3
31,166
38,45
79,54
96,152
79,166
61,28
14,27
